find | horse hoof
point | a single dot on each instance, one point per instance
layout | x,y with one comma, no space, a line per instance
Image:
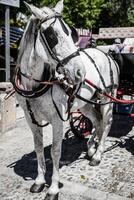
51,197
90,154
94,162
37,188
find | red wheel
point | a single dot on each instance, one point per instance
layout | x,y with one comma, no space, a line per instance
80,125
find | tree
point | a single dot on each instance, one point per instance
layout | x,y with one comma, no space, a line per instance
83,13
80,13
86,13
117,13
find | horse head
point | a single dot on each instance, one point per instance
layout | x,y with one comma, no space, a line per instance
53,42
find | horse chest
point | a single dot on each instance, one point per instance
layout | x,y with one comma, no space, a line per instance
43,108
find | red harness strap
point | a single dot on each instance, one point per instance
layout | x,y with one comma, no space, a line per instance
123,101
108,95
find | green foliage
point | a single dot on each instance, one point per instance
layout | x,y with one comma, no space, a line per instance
130,14
118,13
80,13
85,13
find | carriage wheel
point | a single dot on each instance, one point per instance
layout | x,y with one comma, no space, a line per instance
80,125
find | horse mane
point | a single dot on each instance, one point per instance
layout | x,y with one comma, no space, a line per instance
27,41
26,45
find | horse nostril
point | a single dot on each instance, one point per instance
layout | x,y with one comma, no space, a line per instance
78,73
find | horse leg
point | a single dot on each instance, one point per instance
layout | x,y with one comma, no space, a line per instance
95,117
104,128
57,126
92,143
39,184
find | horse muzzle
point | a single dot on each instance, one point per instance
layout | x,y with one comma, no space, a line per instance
79,75
75,77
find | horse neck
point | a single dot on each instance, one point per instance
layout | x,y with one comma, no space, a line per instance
31,65
36,66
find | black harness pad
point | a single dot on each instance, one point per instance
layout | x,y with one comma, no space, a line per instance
125,62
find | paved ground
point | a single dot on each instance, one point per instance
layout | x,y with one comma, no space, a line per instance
113,179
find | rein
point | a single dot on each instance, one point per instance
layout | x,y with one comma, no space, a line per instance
32,115
50,82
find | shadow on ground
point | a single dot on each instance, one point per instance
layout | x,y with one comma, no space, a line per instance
72,148
121,126
26,167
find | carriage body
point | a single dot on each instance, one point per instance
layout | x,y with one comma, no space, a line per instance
125,59
126,86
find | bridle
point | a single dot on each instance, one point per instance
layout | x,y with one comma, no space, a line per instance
59,68
60,63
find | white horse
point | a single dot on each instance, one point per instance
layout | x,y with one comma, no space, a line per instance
46,50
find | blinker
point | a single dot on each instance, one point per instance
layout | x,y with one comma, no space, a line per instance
50,36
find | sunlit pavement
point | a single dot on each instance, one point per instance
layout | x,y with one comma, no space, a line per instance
113,179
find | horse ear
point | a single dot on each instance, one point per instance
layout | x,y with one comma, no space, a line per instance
39,14
59,6
74,34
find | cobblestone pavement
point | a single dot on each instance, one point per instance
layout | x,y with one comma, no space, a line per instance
113,179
